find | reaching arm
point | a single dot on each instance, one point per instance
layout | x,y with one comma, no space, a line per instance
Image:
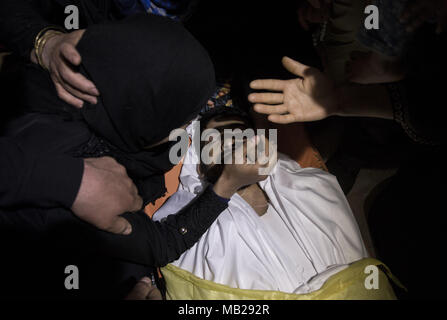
156,244
313,96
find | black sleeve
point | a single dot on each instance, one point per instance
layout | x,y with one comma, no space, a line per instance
45,181
20,22
418,101
156,244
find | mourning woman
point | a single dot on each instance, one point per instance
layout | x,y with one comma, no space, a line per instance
153,77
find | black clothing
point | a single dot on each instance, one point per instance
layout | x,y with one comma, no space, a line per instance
170,81
118,126
419,100
55,238
35,179
37,245
22,20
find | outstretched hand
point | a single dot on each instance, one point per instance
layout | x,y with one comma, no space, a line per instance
310,97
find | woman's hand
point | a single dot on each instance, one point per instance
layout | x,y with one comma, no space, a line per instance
310,97
236,176
145,290
105,193
60,56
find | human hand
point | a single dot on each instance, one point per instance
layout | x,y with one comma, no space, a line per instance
312,12
310,97
249,171
417,12
145,290
60,56
106,192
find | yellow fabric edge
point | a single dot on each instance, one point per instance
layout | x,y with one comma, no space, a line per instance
346,284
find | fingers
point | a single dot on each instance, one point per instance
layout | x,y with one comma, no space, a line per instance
78,94
154,294
282,119
66,96
138,203
70,53
269,109
71,86
75,79
141,290
119,225
268,84
296,67
269,98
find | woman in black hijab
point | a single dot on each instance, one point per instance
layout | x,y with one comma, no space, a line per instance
153,77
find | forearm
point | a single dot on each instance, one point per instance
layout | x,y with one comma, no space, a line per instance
44,181
364,101
156,244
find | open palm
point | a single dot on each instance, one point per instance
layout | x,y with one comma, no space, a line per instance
310,97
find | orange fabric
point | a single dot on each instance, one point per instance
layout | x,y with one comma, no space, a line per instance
294,141
172,182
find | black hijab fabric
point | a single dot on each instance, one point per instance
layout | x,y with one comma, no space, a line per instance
153,77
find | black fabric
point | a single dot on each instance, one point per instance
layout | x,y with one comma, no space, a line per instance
37,245
22,20
165,93
30,178
407,223
145,92
153,77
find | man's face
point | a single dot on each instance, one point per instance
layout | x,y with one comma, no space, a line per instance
246,142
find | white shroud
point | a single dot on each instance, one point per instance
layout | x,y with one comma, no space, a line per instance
308,233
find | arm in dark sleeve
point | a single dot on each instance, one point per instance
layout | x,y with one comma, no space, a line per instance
156,244
27,179
20,22
419,100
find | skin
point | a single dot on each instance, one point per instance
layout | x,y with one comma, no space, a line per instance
144,290
60,56
105,193
234,177
313,96
247,176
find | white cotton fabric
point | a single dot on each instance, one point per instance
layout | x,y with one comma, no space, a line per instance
307,234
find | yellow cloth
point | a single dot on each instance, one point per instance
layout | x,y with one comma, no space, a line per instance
348,284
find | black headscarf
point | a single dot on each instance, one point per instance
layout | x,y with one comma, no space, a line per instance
153,77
